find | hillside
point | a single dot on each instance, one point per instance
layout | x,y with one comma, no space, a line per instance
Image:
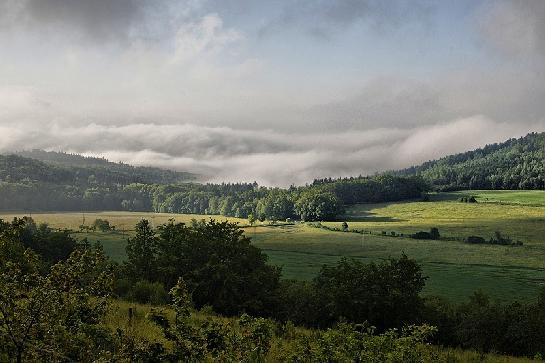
72,182
513,164
110,172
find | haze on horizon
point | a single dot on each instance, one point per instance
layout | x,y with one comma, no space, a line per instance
279,92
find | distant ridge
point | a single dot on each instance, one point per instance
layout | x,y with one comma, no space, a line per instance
125,173
513,164
68,182
63,158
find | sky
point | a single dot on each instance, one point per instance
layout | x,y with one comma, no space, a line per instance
278,92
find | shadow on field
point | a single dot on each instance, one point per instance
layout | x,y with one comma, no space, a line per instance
365,215
448,196
372,218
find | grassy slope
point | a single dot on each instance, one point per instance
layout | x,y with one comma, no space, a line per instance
455,269
142,328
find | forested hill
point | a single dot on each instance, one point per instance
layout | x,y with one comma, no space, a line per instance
64,182
74,168
513,164
71,182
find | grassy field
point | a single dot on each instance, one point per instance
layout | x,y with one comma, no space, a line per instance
455,269
522,197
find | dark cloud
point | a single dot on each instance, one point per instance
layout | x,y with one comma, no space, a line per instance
100,21
322,18
97,19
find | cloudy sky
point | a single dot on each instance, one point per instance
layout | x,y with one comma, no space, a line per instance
278,92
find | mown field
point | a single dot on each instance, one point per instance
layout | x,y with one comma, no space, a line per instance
455,268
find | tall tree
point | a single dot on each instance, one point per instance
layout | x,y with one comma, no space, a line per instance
141,252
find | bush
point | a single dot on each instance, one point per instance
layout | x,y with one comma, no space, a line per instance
421,235
432,234
102,225
358,343
146,292
475,239
123,288
385,295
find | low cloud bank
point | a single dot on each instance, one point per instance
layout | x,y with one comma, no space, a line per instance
268,157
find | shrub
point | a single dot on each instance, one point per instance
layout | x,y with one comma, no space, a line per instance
146,292
421,235
102,225
475,239
432,234
358,343
123,287
385,295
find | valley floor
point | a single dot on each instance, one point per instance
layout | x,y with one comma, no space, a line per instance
455,268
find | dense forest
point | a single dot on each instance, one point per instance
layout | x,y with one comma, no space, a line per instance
64,182
513,164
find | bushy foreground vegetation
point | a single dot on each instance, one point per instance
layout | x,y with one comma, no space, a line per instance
59,314
58,310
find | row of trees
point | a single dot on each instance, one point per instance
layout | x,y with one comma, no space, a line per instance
319,201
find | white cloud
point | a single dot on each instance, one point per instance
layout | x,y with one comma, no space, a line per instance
203,38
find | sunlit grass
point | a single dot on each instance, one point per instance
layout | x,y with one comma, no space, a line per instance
141,327
455,269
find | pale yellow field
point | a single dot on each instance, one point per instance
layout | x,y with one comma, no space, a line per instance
121,220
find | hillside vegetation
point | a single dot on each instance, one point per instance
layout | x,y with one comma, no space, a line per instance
65,182
513,164
43,166
38,180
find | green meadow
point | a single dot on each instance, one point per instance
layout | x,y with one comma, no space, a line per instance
454,268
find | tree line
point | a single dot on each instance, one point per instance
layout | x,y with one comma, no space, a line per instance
29,185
